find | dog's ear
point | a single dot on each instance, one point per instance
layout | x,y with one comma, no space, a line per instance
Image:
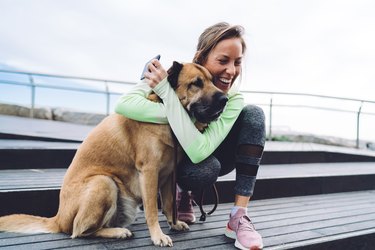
173,73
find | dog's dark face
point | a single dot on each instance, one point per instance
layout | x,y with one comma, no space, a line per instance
193,86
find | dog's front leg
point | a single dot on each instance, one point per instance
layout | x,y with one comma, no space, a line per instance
149,188
167,201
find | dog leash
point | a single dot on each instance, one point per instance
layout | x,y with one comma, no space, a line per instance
203,213
174,182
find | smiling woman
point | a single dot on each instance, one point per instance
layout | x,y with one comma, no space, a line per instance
234,141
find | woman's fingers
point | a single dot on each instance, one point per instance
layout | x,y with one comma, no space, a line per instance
156,73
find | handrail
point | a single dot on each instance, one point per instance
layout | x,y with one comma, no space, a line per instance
33,85
63,76
306,94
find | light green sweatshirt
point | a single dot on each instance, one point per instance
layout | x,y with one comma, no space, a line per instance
198,146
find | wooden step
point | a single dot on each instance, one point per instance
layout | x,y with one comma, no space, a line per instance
39,188
24,154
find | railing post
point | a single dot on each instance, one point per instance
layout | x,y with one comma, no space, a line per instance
270,127
32,96
108,97
358,114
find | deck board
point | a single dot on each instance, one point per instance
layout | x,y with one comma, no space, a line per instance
53,177
283,222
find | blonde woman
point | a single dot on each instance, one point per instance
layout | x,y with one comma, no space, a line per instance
234,141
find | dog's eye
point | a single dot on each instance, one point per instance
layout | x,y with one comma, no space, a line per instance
197,83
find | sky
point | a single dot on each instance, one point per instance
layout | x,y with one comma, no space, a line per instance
323,47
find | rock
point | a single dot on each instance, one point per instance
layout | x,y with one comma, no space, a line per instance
57,114
65,115
16,110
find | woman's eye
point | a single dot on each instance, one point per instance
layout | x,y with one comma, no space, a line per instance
222,61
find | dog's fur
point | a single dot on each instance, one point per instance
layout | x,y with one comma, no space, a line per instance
121,163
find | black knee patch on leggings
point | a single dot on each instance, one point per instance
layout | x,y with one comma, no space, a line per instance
246,169
248,159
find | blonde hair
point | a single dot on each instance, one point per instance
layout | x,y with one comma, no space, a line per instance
213,35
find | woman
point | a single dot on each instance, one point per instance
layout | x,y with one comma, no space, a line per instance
234,141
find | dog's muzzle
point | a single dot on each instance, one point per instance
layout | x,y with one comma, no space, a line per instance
209,109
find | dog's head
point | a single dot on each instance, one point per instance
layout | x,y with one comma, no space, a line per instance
193,86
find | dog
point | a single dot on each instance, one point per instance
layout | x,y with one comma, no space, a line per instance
122,164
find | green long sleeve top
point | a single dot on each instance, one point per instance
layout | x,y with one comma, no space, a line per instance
198,146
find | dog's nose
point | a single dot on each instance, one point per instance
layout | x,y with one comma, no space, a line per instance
222,101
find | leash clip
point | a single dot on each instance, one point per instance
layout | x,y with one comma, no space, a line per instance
203,217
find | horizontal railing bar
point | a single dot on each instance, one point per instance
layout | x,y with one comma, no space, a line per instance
60,87
133,83
65,76
119,93
304,94
15,83
314,107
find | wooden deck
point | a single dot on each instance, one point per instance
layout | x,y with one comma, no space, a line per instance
328,194
306,222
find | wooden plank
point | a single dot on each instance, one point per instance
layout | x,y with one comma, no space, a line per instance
22,176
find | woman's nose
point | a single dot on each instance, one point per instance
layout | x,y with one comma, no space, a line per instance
231,69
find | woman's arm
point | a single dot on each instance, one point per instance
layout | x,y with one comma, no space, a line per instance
136,106
198,146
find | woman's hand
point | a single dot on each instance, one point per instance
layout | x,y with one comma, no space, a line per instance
155,73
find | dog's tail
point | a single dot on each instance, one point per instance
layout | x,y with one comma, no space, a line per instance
23,223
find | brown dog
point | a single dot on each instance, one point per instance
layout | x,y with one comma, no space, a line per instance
121,163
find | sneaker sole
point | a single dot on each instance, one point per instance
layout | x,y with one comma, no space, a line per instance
239,246
232,234
186,220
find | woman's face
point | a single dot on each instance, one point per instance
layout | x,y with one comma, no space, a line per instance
224,62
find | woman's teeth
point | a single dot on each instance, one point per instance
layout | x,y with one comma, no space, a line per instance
226,81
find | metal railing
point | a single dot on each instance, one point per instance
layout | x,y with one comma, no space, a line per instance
33,85
358,112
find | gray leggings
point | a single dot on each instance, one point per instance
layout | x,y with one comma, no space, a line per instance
242,150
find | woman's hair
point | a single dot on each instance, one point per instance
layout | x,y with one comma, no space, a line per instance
213,35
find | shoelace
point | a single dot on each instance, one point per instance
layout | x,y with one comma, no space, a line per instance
247,223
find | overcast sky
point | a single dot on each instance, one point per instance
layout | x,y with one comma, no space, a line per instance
310,46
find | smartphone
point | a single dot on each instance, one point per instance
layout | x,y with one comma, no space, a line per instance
145,69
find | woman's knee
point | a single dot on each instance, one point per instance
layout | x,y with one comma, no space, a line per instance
253,129
192,176
253,115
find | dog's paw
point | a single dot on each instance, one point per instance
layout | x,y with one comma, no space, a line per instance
162,240
126,233
201,126
114,233
180,226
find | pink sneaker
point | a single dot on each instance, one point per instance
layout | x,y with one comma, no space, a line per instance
185,211
242,230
